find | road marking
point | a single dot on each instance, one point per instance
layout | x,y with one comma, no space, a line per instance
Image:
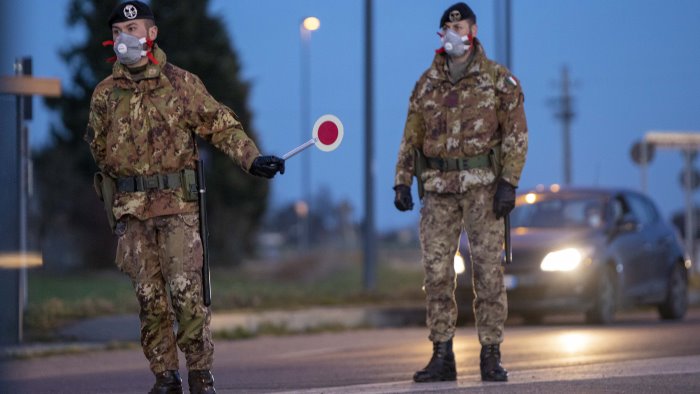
618,369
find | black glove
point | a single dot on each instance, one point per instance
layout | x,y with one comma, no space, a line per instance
267,166
504,199
403,200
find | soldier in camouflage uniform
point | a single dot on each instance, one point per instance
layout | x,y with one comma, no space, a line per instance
142,126
465,140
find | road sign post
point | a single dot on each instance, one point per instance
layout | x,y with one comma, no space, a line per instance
14,256
688,142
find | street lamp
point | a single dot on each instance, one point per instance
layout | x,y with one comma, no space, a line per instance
307,25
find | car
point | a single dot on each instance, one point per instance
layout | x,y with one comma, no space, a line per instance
590,250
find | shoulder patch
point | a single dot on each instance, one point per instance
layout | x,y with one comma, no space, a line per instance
512,80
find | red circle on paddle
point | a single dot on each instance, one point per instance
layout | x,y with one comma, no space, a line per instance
328,132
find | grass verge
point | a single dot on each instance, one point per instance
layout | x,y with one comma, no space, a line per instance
55,300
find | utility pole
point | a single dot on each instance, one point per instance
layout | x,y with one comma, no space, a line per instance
369,277
565,113
504,26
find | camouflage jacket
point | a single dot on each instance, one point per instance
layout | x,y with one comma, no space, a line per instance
482,110
144,124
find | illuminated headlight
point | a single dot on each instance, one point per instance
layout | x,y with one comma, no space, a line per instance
562,260
459,263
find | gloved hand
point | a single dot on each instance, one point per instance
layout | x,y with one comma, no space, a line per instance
504,199
403,200
267,166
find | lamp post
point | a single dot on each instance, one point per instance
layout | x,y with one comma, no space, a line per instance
308,25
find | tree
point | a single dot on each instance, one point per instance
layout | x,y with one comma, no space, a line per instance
71,214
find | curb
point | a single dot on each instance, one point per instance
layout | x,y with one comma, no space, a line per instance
122,331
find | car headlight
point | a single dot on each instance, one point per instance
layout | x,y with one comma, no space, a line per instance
562,260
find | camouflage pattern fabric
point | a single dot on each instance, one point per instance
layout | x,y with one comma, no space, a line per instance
442,218
161,255
142,124
480,111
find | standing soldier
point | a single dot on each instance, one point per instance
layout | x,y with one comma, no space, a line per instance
141,130
465,140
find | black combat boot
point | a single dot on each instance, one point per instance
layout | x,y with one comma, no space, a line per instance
168,382
441,367
201,382
491,368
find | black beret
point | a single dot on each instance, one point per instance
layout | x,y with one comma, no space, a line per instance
457,12
130,10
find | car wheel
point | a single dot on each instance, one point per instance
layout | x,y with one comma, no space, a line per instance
676,303
604,304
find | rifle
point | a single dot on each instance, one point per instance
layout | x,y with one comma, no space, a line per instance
204,233
509,250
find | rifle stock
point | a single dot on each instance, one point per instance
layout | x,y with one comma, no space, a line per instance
509,250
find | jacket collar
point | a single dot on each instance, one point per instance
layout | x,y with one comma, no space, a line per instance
120,71
439,68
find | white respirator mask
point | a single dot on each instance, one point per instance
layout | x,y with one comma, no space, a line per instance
454,44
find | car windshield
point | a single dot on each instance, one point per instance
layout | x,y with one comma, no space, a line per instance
554,211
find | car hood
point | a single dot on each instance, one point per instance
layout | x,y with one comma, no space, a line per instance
532,237
530,245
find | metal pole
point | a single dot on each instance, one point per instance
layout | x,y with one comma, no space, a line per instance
503,32
304,132
22,164
689,217
643,165
10,305
508,35
370,249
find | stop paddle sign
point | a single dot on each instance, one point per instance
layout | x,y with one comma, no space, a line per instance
327,135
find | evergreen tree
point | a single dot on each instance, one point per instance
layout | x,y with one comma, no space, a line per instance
74,227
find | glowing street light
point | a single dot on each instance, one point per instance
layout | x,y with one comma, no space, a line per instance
311,23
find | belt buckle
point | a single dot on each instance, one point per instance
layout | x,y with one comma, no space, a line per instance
151,182
139,184
126,184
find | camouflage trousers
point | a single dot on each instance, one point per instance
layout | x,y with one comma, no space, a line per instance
163,255
442,218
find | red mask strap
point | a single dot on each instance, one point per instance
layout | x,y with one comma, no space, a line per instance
149,51
151,57
109,43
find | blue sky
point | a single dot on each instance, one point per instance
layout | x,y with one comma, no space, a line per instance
635,65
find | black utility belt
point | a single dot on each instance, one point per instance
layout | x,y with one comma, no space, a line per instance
458,164
142,183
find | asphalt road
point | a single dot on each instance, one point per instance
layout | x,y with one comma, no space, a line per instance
637,354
